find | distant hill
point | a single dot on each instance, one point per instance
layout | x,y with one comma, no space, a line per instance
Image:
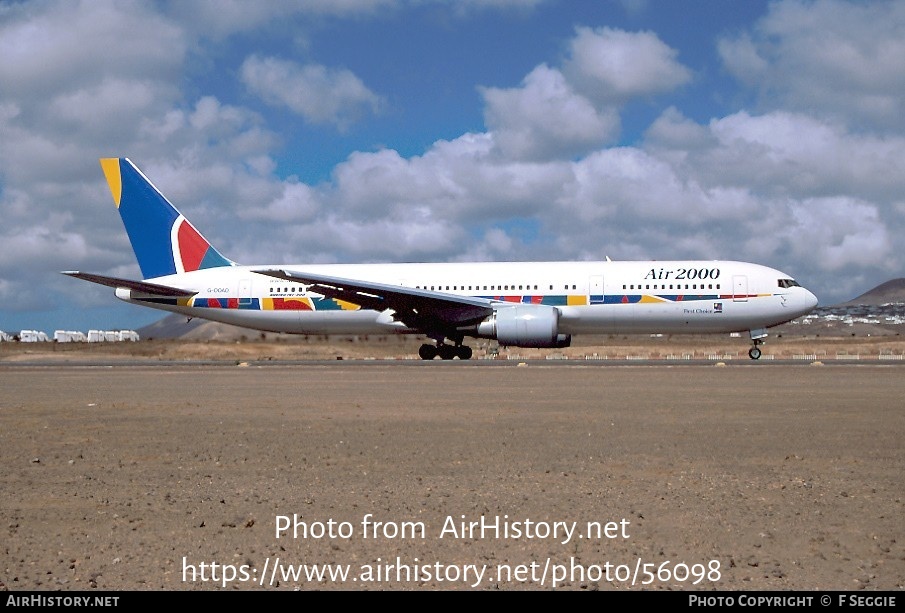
178,326
171,326
890,292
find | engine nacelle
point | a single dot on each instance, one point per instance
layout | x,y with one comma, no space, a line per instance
525,326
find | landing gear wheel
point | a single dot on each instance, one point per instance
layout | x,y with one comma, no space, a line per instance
754,353
447,352
427,352
464,352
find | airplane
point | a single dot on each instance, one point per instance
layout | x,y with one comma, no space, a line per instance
518,304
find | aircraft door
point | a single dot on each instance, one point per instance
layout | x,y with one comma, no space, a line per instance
740,288
244,292
595,289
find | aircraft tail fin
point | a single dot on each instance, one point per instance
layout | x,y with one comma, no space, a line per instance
164,241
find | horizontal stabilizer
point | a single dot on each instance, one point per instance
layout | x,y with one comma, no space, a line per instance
153,289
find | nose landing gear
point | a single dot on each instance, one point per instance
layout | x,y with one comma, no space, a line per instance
757,337
754,353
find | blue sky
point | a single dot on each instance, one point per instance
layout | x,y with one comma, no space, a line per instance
427,130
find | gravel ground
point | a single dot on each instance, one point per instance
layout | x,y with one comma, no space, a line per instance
749,476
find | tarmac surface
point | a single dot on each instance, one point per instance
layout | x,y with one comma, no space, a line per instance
524,476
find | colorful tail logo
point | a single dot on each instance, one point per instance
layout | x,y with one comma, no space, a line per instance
164,241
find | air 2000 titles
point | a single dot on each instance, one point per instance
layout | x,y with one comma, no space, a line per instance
681,274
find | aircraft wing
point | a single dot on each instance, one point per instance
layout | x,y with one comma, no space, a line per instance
416,308
154,289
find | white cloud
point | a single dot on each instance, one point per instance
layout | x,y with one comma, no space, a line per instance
59,45
835,57
295,203
838,232
222,18
545,119
612,66
804,156
317,93
567,113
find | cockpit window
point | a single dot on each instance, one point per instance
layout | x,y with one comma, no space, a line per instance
788,283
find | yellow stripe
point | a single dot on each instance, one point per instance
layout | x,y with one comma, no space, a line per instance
346,306
576,300
111,171
646,299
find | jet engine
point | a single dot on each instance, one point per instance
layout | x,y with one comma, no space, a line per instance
525,325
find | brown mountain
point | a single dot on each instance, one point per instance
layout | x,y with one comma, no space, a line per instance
179,326
885,293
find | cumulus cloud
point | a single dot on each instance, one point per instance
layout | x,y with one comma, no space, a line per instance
569,112
294,203
317,93
613,66
61,46
837,57
545,118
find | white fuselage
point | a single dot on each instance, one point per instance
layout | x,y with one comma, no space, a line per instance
592,297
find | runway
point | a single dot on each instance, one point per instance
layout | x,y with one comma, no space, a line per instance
805,360
753,476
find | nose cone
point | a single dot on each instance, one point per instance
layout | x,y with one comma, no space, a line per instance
807,301
810,300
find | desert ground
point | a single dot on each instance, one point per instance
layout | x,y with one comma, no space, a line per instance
221,343
204,465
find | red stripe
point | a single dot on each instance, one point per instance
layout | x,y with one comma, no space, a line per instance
192,246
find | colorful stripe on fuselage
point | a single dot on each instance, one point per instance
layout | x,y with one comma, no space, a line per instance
299,303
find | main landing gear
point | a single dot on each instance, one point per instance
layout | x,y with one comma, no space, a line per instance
445,351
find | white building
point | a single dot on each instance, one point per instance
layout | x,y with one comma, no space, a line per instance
69,336
33,336
111,336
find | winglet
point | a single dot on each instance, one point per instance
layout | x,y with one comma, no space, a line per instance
164,241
